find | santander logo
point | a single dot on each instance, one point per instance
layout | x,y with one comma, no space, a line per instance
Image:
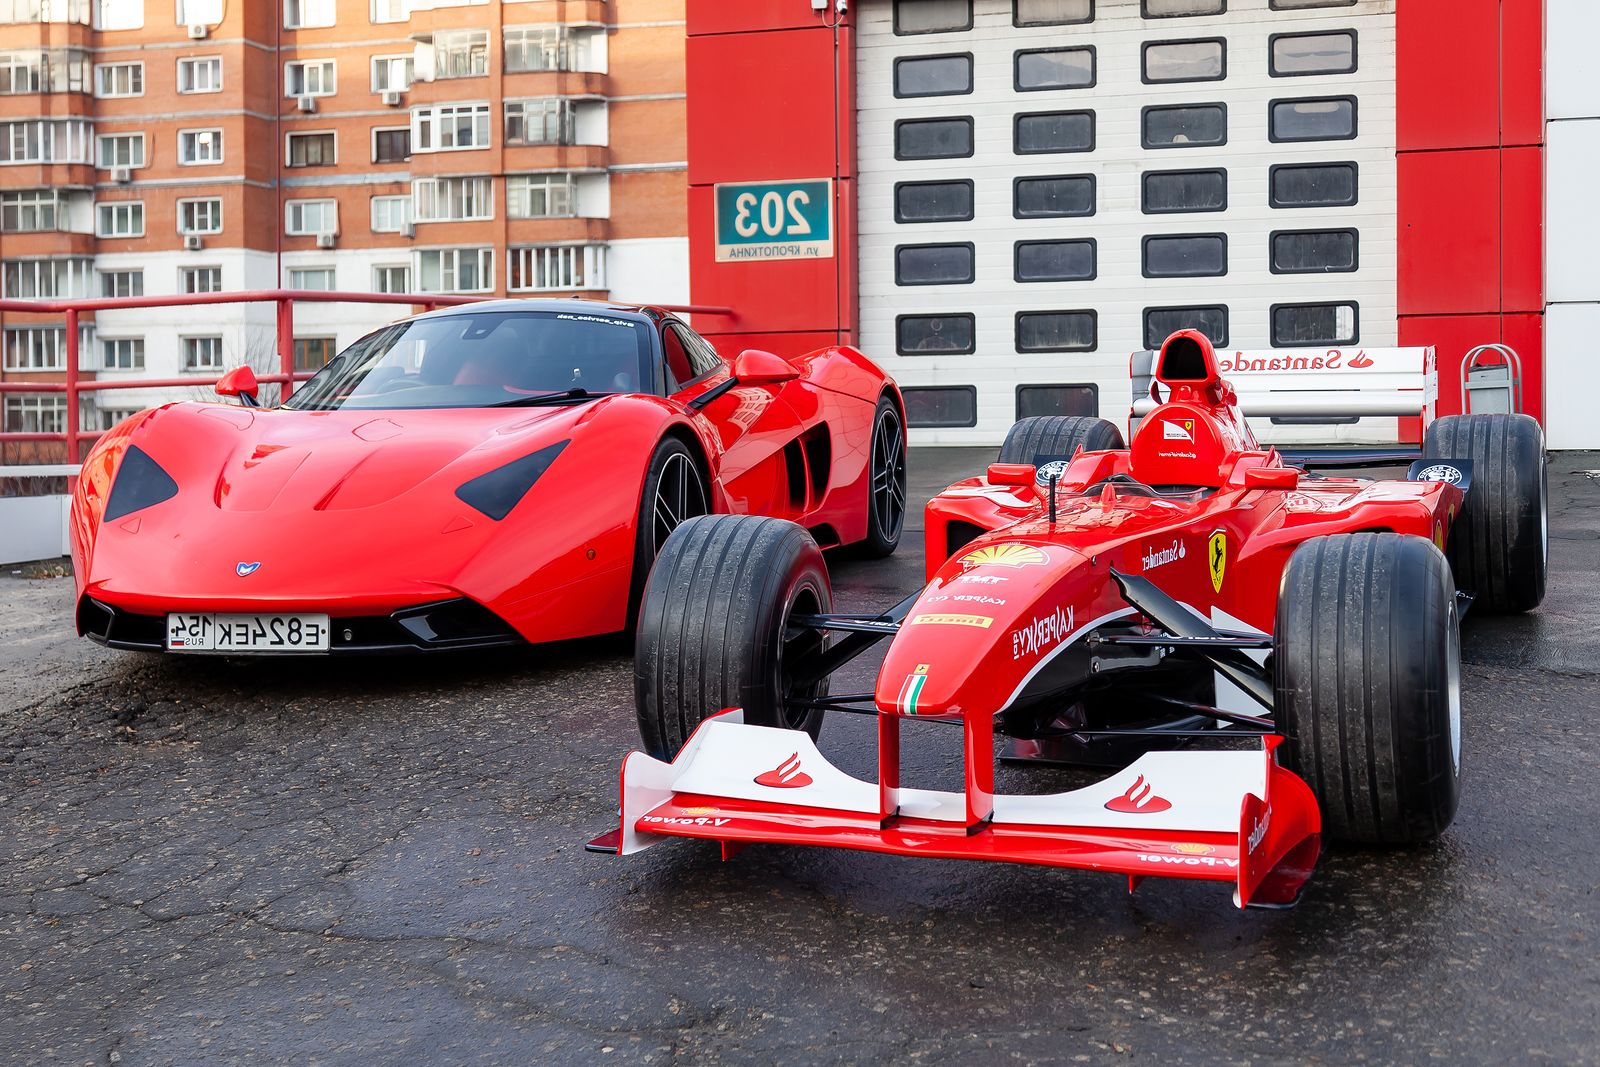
786,775
1140,799
1274,362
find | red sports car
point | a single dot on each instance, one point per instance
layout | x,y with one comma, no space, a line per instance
482,475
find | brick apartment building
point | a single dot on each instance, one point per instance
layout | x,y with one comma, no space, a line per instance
524,146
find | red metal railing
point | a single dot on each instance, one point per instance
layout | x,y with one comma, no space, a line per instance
286,376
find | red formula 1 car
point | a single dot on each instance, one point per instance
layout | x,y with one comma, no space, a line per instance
1260,656
484,475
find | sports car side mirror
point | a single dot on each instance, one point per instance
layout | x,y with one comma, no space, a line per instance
240,382
755,367
1016,475
1271,478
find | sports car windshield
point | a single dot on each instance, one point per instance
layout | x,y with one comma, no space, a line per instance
484,359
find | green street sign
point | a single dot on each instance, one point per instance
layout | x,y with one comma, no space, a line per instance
775,220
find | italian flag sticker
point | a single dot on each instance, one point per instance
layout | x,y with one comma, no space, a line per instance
911,691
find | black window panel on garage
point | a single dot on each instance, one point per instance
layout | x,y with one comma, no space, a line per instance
1185,61
1057,331
1186,126
950,264
1200,255
1051,12
933,201
933,138
1054,197
1298,54
1299,5
1315,324
1054,68
1035,400
932,16
936,335
1168,9
1315,252
1322,119
932,76
1162,323
942,405
1055,261
1054,131
1169,191
1314,185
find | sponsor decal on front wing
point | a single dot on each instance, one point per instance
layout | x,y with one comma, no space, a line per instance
1258,831
683,820
1042,633
1186,861
982,622
786,775
1140,799
1007,555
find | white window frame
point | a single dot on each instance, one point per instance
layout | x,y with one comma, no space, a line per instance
135,353
324,9
187,272
195,366
34,412
295,211
199,135
134,208
450,260
556,185
196,63
132,272
131,12
288,148
381,271
36,202
100,141
52,346
464,41
437,199
373,155
296,274
407,64
103,71
570,266
561,110
327,78
195,202
382,206
431,120
55,140
383,11
46,277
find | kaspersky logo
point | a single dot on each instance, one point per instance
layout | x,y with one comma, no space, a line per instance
786,775
1140,799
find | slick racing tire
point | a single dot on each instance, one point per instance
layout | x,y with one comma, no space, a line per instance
1367,680
1057,435
714,629
674,490
886,485
1499,546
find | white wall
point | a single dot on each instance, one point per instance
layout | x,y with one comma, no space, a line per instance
649,270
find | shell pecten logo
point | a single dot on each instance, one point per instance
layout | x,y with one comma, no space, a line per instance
1007,555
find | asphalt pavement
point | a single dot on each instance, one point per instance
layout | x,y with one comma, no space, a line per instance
381,862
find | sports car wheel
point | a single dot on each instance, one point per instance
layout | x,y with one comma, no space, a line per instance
886,500
674,490
1499,546
1367,665
1057,435
714,629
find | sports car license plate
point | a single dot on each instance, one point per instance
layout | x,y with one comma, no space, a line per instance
247,633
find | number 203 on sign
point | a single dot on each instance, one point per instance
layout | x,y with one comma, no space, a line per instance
775,220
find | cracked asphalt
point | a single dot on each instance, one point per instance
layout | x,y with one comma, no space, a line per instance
381,862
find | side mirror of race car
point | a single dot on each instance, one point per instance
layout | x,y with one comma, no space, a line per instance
755,367
1271,478
1016,475
240,382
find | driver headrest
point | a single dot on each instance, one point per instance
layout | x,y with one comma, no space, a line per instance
1187,358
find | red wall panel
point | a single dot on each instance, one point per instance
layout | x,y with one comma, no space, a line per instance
1453,336
1447,61
1522,72
1449,232
1522,229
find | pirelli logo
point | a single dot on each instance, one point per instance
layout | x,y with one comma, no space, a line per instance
982,622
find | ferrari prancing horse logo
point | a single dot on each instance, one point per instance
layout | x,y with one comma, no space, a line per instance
1218,557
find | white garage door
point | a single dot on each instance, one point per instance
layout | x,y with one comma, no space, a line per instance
1050,185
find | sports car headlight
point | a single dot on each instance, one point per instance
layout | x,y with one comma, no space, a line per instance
140,483
497,492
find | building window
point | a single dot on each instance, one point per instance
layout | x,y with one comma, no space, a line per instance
1170,9
1298,54
457,270
107,418
198,147
393,74
307,218
1053,131
320,279
47,70
556,267
936,335
931,406
934,201
1055,261
312,353
450,127
1035,401
1315,324
1057,331
31,210
1186,126
1315,252
391,279
200,74
1053,68
461,53
1203,255
1299,5
200,279
119,219
391,145
122,353
1162,323
390,214
1169,191
305,77
541,196
200,216
303,14
533,48
1330,119
119,79
46,277
122,283
202,353
452,199
119,150
548,120
1051,12
943,264
46,141
1314,185
933,138
391,10
35,414
933,75
1185,61
38,347
118,14
312,150
1053,197
932,16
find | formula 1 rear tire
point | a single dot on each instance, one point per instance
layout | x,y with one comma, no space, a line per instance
1057,435
1367,684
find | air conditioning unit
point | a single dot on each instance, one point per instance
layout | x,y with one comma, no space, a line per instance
306,103
324,240
121,175
193,242
198,31
408,229
393,97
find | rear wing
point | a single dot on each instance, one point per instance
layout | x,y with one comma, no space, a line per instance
1319,396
